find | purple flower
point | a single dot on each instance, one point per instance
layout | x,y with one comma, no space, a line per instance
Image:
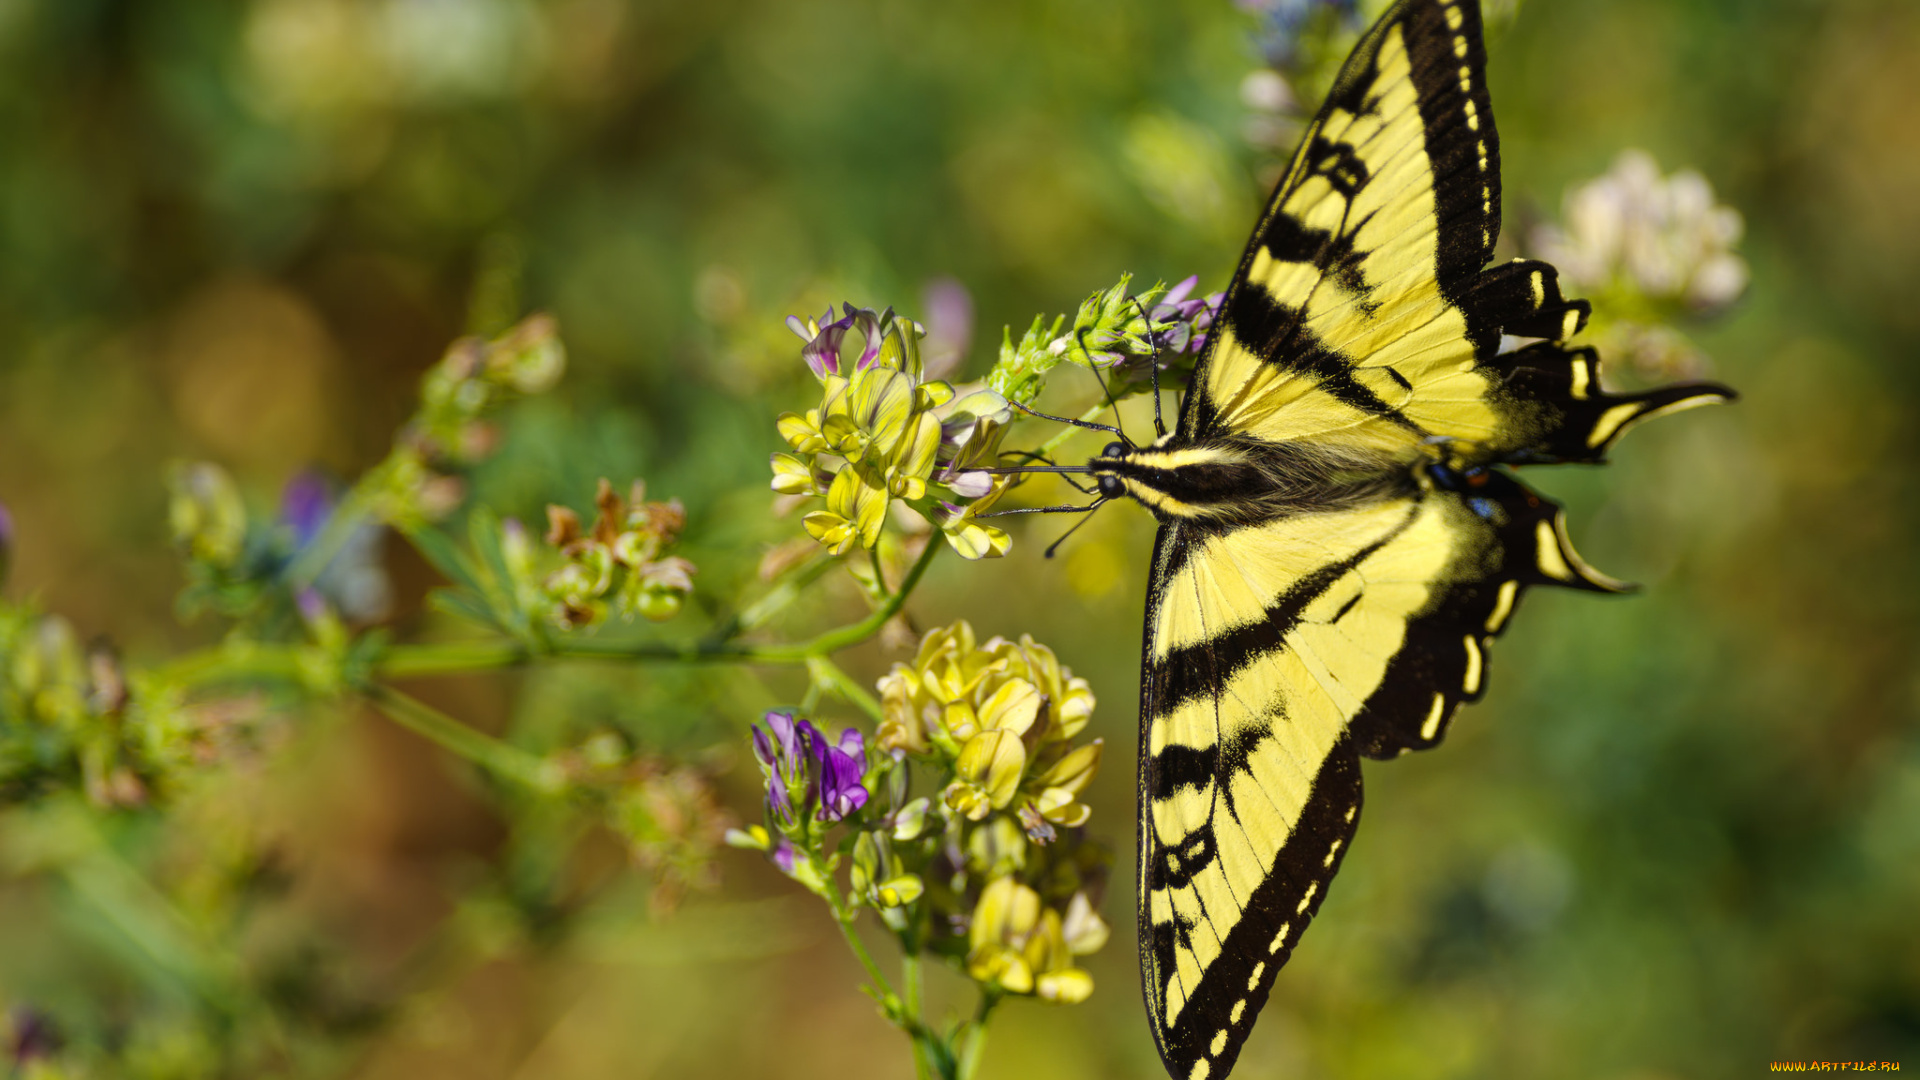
1181,324
33,1036
355,580
782,856
871,326
841,769
783,751
305,505
822,351
804,770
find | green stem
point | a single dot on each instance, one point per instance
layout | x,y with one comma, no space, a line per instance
827,675
789,589
834,640
843,917
976,1039
503,759
304,664
923,1059
130,903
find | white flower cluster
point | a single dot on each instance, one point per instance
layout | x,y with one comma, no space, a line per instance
1663,237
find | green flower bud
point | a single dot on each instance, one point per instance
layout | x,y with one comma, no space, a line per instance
899,891
206,514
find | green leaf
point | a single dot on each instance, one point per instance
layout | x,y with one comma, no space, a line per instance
444,555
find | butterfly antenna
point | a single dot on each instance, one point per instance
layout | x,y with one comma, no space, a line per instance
1153,367
1034,456
1105,390
1068,508
1076,423
1055,546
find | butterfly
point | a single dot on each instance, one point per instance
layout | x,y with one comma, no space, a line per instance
1340,537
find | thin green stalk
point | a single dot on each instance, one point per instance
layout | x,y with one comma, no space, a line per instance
910,977
236,661
414,661
789,589
503,759
133,905
976,1037
834,640
828,675
245,662
843,917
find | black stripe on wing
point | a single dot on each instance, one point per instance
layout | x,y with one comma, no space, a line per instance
1221,1010
1463,148
1201,669
1443,660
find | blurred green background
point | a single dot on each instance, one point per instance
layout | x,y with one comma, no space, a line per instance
1680,837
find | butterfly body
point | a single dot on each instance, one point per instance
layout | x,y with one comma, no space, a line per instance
1227,482
1340,536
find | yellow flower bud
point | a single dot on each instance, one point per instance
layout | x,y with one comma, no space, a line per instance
1083,930
993,761
1072,774
802,432
1069,987
791,476
1058,806
1012,707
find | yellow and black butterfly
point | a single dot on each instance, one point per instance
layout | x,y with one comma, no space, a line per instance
1339,539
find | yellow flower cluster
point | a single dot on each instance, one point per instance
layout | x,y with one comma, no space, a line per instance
1000,718
1020,946
879,433
1005,713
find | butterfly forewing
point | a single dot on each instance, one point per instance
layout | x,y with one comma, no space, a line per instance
1359,312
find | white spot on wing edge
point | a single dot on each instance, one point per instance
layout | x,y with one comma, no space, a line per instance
1502,606
1434,715
1471,683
